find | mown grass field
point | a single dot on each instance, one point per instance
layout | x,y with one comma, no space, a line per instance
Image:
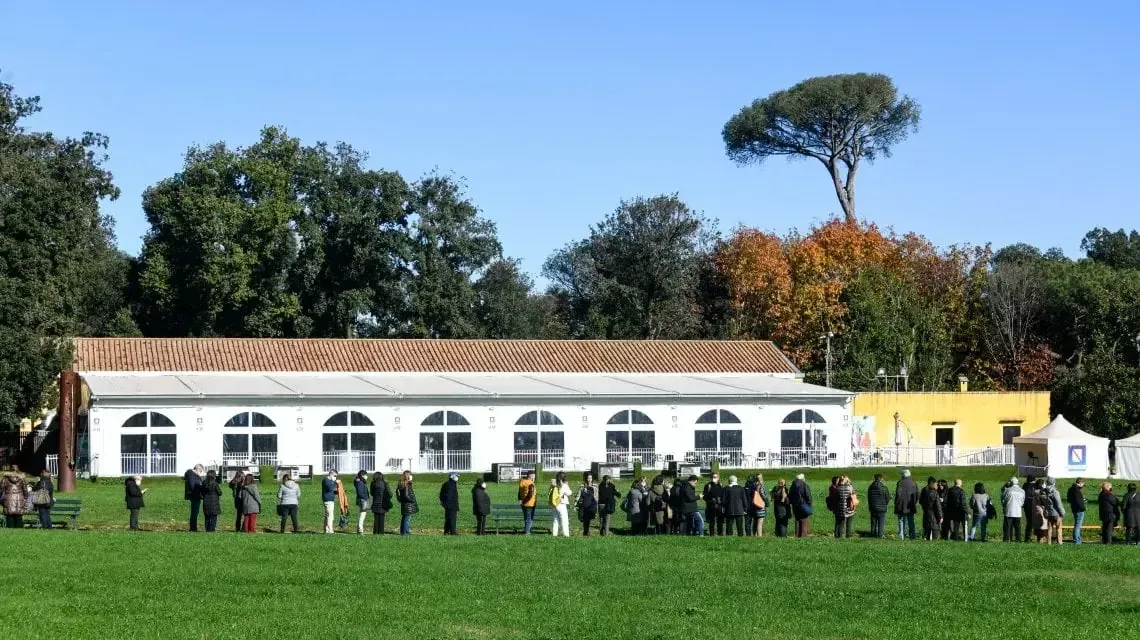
104,582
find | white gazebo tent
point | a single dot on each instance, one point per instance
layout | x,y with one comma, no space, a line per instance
1061,450
1128,458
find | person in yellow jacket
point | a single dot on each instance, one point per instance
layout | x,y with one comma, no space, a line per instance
528,498
560,502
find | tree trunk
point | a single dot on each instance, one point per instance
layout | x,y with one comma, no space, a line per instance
844,192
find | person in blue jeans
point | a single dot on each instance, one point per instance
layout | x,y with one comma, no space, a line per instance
406,496
906,504
1076,500
528,497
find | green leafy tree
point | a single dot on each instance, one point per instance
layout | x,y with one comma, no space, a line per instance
60,274
839,120
1118,249
507,308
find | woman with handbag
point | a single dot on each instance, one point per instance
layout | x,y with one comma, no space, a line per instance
43,497
250,504
14,489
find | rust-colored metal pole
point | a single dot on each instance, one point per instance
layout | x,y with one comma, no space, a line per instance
67,389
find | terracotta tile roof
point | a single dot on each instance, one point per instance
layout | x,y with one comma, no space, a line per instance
450,356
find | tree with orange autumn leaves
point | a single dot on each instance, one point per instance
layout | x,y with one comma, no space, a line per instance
795,289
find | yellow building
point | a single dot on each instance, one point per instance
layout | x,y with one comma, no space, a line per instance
963,420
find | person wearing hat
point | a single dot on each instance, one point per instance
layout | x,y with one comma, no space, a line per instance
1012,502
449,500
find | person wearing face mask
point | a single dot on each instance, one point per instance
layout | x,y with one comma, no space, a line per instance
480,506
329,498
713,495
449,500
693,522
735,506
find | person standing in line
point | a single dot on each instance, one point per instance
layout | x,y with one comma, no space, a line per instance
192,492
657,507
43,498
878,500
480,506
829,501
713,495
381,502
735,506
1076,499
329,499
363,499
1109,507
1056,510
845,503
560,518
608,496
800,498
947,522
1130,507
781,507
449,500
954,509
15,489
211,500
1012,502
906,505
690,510
981,509
931,510
634,507
406,496
528,498
288,501
1030,505
251,504
236,483
677,525
135,502
586,504
758,507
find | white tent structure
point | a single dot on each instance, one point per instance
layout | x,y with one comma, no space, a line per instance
1061,450
1128,458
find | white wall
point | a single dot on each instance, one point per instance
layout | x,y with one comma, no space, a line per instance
299,428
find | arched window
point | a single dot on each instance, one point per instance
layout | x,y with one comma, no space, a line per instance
724,445
349,448
629,416
545,446
804,416
445,450
150,447
623,445
718,416
257,446
532,418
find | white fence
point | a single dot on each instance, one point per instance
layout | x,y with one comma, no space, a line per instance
646,457
52,463
149,464
732,458
452,460
268,458
937,456
551,459
348,461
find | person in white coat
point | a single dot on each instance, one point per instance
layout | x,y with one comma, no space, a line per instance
560,496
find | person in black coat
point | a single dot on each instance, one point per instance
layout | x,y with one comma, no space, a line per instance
931,510
956,510
1030,501
878,499
713,495
781,507
480,506
211,500
943,487
192,492
799,496
1130,510
678,523
135,502
608,496
449,500
735,506
381,502
1077,505
1109,507
236,483
694,524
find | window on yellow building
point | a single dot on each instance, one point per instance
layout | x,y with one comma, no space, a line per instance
1009,432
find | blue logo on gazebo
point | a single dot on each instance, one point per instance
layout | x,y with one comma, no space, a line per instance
1077,458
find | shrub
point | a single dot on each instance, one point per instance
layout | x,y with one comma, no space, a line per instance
637,471
538,476
267,473
716,466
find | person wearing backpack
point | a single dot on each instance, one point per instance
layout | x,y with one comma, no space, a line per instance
735,506
586,504
528,498
608,496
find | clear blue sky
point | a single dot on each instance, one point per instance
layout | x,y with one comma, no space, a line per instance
554,113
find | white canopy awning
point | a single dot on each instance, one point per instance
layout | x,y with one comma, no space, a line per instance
1058,429
1063,451
1128,458
753,387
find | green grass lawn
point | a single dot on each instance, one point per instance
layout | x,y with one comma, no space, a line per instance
111,584
105,582
104,506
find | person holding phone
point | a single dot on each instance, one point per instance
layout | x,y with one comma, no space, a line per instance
135,502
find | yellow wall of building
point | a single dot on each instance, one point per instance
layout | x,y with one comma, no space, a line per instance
976,417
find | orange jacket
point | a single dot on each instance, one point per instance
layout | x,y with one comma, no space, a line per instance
528,497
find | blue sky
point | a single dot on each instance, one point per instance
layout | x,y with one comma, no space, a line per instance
555,113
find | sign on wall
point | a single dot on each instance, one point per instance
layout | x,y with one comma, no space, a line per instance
1077,458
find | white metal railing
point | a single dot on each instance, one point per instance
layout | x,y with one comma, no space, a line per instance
628,456
729,457
552,459
937,456
52,463
149,464
268,458
451,460
793,457
348,461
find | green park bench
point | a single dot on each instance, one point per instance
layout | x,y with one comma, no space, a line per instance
512,513
66,508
